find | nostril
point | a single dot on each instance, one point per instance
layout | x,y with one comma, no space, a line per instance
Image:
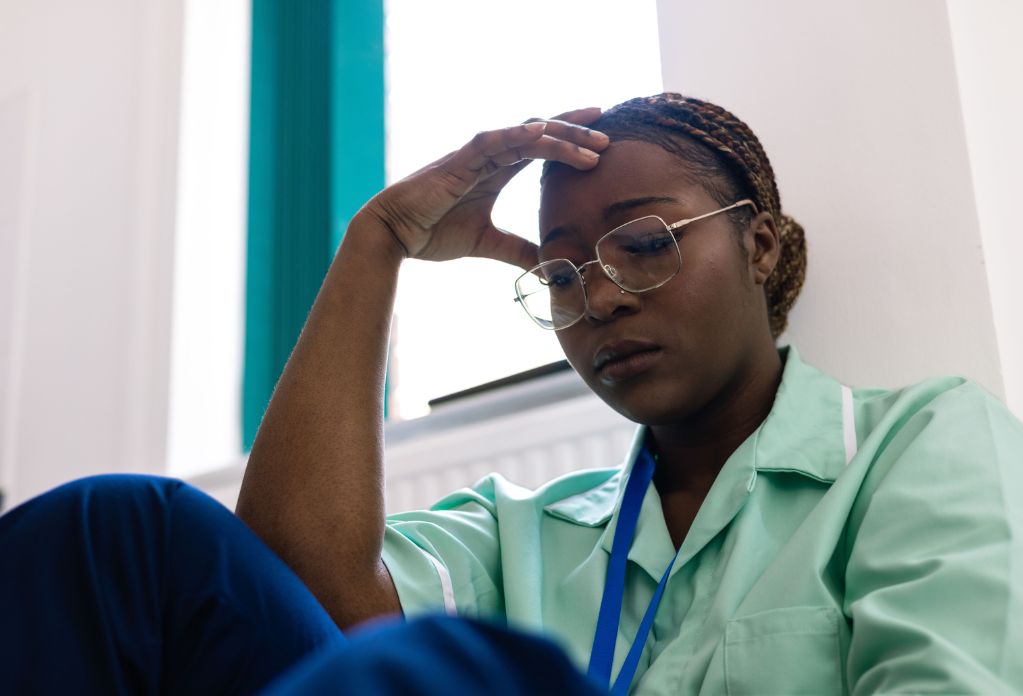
606,300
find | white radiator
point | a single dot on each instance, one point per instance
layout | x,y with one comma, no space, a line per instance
528,448
529,433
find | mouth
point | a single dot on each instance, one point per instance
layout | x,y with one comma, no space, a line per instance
624,359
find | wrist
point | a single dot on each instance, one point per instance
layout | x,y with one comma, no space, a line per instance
369,234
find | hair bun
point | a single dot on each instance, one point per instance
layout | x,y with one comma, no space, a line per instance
783,286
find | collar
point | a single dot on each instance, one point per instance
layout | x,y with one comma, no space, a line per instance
802,434
594,507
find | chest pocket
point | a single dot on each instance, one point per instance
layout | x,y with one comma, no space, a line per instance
795,650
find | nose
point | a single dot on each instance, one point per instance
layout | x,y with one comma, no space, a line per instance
605,301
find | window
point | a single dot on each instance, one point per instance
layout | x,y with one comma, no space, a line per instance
458,66
448,76
204,429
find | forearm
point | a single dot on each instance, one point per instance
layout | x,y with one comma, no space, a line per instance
313,487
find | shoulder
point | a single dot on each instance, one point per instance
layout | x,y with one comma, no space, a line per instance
932,540
941,447
578,491
952,412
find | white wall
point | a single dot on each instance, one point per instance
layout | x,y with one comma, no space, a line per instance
858,105
989,64
88,141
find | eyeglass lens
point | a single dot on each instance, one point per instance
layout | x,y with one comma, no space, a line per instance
643,253
638,256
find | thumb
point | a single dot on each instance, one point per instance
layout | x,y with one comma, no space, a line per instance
502,245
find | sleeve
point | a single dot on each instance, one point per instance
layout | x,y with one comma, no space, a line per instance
934,580
448,558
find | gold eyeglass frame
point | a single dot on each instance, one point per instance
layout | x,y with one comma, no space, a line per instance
674,228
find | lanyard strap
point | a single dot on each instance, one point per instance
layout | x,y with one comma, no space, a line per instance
606,636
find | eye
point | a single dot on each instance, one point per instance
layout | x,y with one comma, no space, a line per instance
648,245
561,280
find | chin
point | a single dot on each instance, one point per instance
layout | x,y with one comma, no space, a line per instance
647,404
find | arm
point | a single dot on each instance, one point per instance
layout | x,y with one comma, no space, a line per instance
313,487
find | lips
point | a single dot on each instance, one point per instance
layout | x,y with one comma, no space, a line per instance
611,355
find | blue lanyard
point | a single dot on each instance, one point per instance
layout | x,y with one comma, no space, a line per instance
602,656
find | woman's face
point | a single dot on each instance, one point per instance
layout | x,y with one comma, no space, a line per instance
677,349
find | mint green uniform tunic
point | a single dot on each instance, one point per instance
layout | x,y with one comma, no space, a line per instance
859,541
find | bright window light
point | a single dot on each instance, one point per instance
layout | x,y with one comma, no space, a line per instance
204,429
455,67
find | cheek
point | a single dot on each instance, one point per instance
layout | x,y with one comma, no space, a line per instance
708,298
701,288
571,349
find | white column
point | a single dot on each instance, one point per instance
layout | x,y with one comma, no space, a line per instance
858,106
989,63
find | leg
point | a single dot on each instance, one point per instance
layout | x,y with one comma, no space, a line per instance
437,656
130,584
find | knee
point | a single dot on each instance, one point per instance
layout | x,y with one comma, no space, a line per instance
88,500
119,485
113,490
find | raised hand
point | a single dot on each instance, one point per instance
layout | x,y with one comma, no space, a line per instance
313,487
443,211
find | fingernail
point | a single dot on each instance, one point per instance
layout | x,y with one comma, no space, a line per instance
535,126
589,154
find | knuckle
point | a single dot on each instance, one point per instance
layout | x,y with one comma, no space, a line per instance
480,139
449,178
441,181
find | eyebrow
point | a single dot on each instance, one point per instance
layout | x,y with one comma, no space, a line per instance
614,209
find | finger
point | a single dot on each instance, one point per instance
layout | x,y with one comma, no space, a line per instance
490,151
509,146
501,176
555,149
463,169
578,134
582,117
571,126
508,247
484,147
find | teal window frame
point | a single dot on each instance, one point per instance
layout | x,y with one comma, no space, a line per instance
316,155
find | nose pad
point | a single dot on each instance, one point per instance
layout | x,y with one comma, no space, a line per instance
605,299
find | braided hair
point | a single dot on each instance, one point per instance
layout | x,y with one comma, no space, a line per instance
731,164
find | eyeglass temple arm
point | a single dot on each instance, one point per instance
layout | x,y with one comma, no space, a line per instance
683,223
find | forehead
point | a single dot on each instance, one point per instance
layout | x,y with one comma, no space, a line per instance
628,170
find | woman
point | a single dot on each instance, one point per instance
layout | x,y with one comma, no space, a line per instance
827,539
772,531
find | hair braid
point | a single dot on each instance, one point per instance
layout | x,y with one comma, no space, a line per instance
736,153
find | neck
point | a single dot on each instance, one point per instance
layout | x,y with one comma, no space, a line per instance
691,453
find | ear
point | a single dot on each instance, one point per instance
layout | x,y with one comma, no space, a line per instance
763,247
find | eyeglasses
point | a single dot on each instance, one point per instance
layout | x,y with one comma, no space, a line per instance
638,256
